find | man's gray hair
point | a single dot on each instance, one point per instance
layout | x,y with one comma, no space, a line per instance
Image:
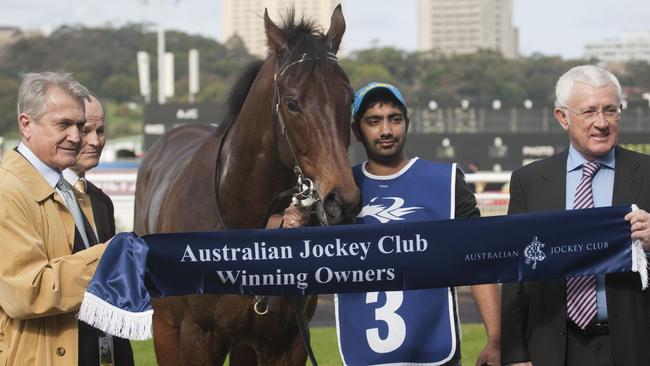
587,74
99,101
33,91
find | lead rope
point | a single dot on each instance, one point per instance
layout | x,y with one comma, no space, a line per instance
304,330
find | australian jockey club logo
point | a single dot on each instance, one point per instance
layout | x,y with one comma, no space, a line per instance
534,253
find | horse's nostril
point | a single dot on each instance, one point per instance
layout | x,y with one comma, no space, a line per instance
333,207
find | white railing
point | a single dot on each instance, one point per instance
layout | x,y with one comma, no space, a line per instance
492,191
120,186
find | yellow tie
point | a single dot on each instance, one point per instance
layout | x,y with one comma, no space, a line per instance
80,185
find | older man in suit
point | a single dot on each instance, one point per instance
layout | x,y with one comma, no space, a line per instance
591,320
45,228
90,151
92,145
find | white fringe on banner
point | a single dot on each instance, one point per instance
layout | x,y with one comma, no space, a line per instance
639,259
115,321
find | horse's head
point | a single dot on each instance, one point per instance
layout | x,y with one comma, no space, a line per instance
312,101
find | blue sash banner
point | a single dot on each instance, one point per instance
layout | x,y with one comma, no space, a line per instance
354,258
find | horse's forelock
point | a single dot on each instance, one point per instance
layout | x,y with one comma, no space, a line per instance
303,36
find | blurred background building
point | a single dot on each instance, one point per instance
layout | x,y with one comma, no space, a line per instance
10,35
630,46
454,27
243,18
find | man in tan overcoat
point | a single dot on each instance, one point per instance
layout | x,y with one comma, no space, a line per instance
45,259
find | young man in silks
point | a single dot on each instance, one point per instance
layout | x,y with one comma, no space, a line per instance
406,327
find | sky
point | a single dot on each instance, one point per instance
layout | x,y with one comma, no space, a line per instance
550,27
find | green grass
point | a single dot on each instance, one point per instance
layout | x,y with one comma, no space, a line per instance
326,348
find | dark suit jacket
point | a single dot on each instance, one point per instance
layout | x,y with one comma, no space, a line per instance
103,213
533,314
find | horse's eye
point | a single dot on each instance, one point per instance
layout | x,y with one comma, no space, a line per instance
293,106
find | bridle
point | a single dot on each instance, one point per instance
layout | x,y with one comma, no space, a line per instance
305,192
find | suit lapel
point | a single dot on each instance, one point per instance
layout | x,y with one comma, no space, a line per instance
553,173
627,180
99,210
68,220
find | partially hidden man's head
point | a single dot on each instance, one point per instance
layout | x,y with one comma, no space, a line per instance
51,117
94,137
588,107
380,120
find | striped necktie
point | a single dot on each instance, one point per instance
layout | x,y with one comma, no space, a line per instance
65,190
581,291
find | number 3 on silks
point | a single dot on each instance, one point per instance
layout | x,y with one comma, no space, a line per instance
387,313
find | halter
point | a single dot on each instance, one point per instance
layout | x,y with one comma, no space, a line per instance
306,194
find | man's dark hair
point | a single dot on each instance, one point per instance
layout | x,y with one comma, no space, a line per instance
378,96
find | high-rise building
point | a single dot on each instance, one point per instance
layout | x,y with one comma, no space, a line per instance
630,46
454,27
245,18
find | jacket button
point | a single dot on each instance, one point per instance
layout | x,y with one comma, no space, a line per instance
60,351
562,331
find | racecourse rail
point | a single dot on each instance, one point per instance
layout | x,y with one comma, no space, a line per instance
119,184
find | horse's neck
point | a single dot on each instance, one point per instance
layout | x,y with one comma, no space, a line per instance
250,172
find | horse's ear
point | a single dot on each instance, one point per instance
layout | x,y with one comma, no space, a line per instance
337,28
274,35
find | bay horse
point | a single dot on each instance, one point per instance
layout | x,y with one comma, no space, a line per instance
287,116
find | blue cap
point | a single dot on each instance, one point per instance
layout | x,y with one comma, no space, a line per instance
361,94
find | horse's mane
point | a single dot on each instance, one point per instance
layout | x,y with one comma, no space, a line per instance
302,36
239,91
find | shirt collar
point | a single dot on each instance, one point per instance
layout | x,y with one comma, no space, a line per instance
70,176
576,160
50,175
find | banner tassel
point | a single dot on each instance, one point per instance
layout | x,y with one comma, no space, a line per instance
640,263
113,320
639,259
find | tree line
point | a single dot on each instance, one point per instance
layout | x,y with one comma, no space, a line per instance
104,59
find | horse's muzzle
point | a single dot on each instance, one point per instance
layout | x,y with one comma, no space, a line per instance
337,211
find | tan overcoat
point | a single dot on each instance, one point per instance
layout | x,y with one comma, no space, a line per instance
41,282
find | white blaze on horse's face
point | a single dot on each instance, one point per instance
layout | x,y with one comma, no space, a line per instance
317,132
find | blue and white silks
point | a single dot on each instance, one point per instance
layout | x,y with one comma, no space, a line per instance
354,258
402,327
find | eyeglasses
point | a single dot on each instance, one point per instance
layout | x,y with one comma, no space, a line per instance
611,113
